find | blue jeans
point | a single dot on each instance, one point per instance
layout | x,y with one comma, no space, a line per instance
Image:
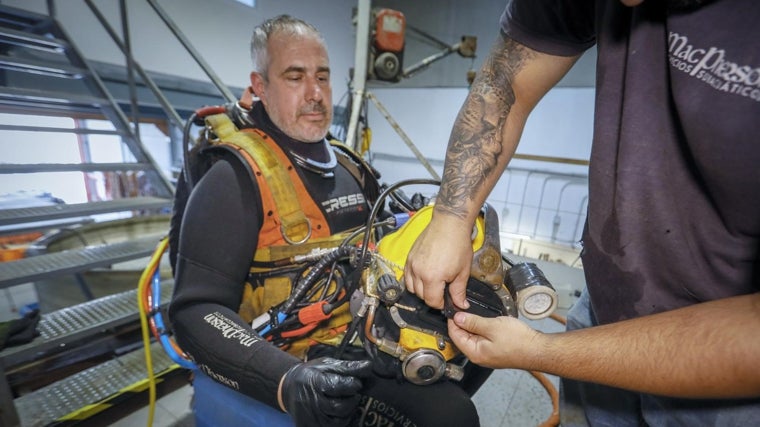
217,405
385,402
587,404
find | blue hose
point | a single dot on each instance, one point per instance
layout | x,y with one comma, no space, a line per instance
163,333
280,318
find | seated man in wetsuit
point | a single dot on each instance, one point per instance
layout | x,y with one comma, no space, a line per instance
234,221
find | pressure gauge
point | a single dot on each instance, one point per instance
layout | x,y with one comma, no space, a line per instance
534,295
536,302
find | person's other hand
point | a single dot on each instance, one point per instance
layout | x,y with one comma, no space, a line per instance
441,255
323,392
498,342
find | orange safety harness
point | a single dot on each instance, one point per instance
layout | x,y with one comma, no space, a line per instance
293,227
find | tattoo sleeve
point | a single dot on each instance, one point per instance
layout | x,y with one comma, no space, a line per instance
476,141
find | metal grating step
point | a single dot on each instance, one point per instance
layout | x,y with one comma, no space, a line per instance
20,19
87,392
46,225
45,68
74,167
47,213
69,324
30,40
74,261
70,321
17,99
77,131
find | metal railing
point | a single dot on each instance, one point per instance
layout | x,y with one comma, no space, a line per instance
539,205
532,203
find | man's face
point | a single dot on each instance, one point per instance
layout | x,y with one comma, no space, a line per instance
297,93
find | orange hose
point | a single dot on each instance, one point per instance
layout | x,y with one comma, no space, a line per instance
558,318
553,419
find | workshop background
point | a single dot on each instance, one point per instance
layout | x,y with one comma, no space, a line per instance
85,192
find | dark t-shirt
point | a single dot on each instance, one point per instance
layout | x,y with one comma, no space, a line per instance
674,197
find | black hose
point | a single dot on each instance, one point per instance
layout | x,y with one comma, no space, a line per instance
325,287
380,202
306,282
347,337
294,271
277,263
186,151
387,222
402,201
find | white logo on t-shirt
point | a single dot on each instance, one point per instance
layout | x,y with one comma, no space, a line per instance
712,66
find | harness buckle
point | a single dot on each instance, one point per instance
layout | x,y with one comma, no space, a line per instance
296,242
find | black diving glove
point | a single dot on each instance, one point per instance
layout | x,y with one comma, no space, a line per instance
323,392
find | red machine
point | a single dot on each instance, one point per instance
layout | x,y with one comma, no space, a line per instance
387,50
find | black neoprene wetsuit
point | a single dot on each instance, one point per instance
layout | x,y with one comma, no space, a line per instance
215,247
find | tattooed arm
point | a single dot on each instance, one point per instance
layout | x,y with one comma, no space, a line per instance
512,80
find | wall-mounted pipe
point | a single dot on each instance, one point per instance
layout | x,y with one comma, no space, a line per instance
522,202
541,201
557,219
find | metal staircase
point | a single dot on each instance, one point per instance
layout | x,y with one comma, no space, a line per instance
37,45
87,355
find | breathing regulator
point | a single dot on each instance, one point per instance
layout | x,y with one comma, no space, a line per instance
407,338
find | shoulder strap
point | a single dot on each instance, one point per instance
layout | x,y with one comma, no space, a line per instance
295,228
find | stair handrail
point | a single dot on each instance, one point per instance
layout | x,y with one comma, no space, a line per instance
165,104
132,63
117,115
189,47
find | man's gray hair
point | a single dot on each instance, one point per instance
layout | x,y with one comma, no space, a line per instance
284,24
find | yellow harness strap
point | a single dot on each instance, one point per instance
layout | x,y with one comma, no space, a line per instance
296,228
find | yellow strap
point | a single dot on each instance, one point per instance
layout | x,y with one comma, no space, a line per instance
295,226
277,252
